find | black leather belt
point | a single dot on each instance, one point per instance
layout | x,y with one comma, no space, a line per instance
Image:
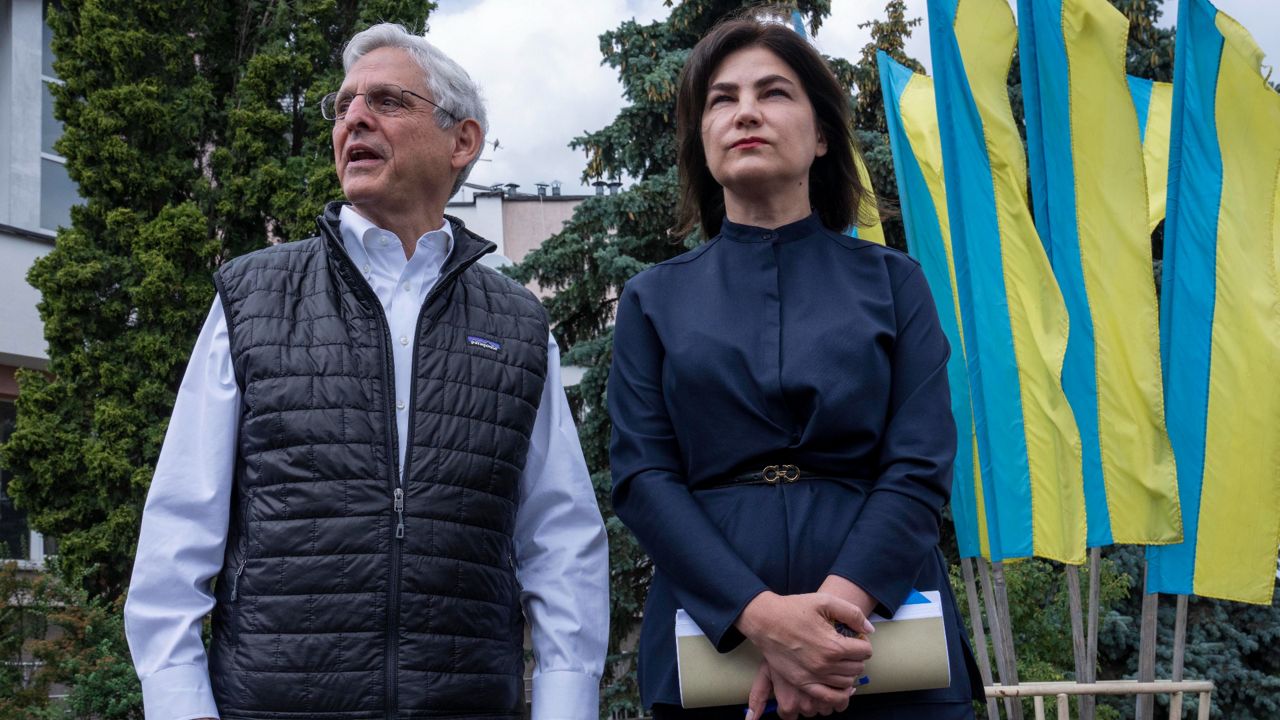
768,475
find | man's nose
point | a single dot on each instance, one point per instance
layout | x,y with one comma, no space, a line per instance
358,113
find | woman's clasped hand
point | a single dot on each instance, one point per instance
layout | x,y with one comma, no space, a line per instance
808,667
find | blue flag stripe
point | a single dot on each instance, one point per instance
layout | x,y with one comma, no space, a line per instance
1140,89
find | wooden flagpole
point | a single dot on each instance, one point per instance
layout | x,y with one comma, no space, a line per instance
1147,648
1091,640
1179,654
997,632
979,635
1008,673
1077,634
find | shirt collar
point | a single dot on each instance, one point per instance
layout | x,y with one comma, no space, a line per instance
792,231
358,234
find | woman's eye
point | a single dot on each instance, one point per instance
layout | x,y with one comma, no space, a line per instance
717,99
776,92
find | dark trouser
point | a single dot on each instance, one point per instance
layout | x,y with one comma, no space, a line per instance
915,711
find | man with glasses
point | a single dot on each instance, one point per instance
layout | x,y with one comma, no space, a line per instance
371,475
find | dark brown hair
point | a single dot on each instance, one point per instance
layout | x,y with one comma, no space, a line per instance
835,190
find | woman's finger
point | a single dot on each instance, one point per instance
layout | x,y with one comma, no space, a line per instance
841,673
825,699
846,612
761,689
788,697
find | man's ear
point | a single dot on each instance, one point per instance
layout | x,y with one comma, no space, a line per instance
468,141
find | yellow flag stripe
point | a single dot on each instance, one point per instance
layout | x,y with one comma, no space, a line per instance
872,231
1155,151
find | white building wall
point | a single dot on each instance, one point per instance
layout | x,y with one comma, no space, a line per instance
21,52
22,240
482,216
21,332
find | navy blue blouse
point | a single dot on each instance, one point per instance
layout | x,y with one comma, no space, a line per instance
795,345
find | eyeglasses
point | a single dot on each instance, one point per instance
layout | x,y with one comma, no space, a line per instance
381,99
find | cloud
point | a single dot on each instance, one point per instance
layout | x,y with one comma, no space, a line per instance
538,65
840,35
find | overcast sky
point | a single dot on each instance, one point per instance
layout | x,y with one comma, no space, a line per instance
539,66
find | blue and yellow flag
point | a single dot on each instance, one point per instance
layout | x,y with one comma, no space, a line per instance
1088,182
1153,102
1220,313
867,224
912,118
1014,319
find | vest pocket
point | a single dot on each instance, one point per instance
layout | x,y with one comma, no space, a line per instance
244,543
511,563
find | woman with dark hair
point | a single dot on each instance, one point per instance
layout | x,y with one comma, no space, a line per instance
782,435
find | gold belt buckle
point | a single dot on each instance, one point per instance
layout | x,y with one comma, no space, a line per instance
774,474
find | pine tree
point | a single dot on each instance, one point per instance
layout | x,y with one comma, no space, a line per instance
1233,644
194,133
1150,50
872,131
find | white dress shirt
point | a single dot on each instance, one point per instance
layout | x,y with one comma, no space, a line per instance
561,552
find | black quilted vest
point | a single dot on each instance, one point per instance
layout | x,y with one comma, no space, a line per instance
343,593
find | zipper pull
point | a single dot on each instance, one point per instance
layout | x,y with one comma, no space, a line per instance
398,506
235,580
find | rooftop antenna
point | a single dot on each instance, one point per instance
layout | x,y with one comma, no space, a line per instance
495,143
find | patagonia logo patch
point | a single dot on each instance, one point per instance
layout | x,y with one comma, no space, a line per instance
485,343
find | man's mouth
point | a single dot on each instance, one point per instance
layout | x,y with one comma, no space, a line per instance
362,155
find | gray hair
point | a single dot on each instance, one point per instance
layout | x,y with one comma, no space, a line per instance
449,84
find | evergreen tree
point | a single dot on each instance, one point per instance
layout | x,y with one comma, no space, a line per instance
1150,50
1233,644
872,130
194,134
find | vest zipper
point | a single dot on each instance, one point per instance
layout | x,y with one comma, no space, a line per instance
398,506
393,584
446,278
397,503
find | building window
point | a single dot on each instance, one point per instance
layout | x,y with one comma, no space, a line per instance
17,540
14,535
57,192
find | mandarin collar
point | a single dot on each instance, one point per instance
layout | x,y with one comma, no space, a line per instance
792,231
